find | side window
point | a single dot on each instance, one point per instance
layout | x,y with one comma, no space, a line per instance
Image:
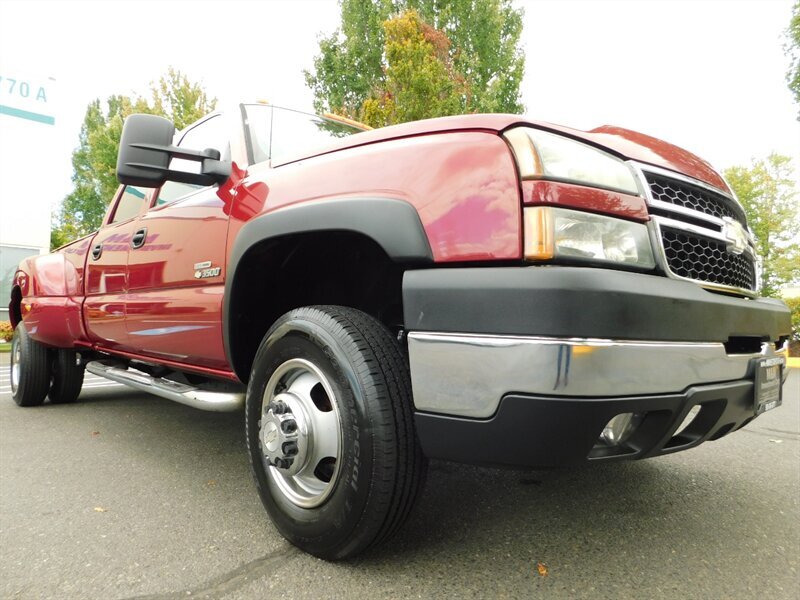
210,133
294,132
259,127
129,203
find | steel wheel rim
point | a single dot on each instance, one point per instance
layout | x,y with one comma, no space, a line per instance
302,387
16,356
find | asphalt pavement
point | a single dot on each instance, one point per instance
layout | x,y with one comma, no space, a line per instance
125,495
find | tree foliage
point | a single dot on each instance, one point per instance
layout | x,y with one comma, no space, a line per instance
397,60
793,51
420,78
94,161
767,191
180,100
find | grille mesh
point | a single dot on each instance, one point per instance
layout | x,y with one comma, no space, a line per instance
704,259
693,197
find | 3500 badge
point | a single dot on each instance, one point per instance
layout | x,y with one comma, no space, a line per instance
204,270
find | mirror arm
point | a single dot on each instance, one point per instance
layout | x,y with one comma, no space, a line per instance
216,176
184,153
213,169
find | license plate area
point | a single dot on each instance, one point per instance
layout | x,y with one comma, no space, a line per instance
768,383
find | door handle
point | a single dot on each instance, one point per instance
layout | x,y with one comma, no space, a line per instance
138,239
97,250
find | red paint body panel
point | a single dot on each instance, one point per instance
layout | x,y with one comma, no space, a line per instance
183,325
181,366
54,321
644,148
468,204
179,235
591,199
170,314
104,316
148,303
626,143
106,284
49,275
76,253
52,293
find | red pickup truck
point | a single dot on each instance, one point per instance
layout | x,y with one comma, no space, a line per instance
481,288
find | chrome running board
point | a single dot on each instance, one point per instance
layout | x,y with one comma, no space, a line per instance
222,401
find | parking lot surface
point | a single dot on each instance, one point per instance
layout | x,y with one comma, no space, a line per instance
124,495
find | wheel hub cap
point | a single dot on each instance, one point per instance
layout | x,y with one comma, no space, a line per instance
285,432
300,433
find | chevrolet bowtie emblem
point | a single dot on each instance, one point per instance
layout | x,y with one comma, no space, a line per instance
735,234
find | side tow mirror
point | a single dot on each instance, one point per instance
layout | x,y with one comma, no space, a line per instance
145,150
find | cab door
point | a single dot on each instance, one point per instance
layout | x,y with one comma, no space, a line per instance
176,276
106,274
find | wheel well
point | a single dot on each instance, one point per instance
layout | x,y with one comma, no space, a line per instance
15,306
278,275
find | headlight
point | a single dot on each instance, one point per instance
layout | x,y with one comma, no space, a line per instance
543,155
561,233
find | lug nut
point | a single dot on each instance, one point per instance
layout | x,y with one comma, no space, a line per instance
282,463
289,426
278,407
289,449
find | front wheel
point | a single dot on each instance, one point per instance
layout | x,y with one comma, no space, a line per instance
330,431
30,369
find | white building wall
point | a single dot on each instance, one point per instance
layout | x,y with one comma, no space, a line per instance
27,146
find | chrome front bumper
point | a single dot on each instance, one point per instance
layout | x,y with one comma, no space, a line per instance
467,375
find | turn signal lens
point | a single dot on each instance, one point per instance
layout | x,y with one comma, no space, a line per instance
539,233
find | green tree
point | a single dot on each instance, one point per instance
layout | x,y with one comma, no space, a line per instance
94,161
180,100
420,79
767,192
483,58
793,51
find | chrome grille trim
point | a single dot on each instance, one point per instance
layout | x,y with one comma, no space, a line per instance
715,231
682,210
701,231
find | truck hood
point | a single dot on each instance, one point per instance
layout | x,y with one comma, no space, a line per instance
622,142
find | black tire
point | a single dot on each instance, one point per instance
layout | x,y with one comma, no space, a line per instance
31,359
380,468
67,377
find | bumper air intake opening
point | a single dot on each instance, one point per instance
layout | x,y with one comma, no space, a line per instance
697,422
743,345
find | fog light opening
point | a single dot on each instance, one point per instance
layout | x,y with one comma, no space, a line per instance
619,429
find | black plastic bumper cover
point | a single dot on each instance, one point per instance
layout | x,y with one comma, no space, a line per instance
583,302
552,432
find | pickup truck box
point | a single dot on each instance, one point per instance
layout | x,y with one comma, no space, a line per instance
481,288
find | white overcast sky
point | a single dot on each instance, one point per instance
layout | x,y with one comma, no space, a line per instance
706,75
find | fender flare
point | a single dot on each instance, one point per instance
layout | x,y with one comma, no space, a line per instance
391,223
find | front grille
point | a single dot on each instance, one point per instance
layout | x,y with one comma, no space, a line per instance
686,195
707,260
695,233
